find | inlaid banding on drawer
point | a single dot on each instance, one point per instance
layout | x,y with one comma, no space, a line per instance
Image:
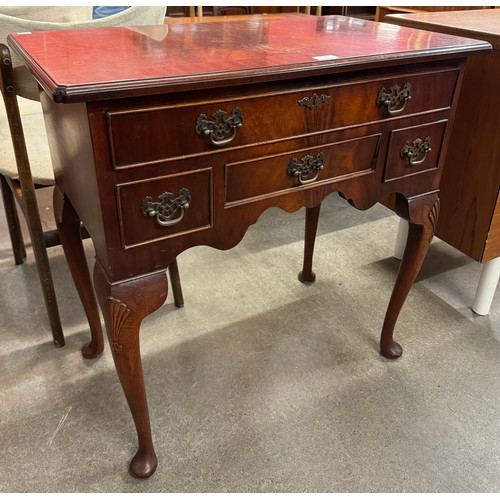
166,132
414,150
271,175
137,228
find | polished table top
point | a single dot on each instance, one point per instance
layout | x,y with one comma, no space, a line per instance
87,64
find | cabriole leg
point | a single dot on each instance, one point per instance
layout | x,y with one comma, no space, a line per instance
68,225
312,215
124,306
422,213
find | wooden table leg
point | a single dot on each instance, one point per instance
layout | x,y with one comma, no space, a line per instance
68,225
312,216
124,306
422,214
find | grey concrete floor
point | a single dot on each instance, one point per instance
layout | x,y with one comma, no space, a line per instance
260,383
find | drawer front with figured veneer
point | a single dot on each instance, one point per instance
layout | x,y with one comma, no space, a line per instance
276,174
163,132
414,150
164,207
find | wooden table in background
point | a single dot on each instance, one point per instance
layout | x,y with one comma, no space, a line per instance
470,188
383,11
166,137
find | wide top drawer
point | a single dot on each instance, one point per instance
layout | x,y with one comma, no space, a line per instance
158,133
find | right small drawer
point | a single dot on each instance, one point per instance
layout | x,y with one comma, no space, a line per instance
414,150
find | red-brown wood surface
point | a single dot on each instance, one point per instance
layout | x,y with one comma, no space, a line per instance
87,64
480,24
471,177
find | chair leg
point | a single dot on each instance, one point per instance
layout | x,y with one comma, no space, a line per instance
28,197
16,235
43,266
175,280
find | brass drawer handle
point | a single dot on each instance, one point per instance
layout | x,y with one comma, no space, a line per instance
395,98
416,151
314,101
307,166
222,129
166,209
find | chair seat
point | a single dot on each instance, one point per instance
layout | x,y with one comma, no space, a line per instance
36,143
37,157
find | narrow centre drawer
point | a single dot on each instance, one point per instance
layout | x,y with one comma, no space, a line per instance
272,175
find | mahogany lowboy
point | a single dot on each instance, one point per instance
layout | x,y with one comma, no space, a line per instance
182,135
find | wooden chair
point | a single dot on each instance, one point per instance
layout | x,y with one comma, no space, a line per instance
223,11
307,10
25,163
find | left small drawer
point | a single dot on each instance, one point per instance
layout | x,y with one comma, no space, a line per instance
164,207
